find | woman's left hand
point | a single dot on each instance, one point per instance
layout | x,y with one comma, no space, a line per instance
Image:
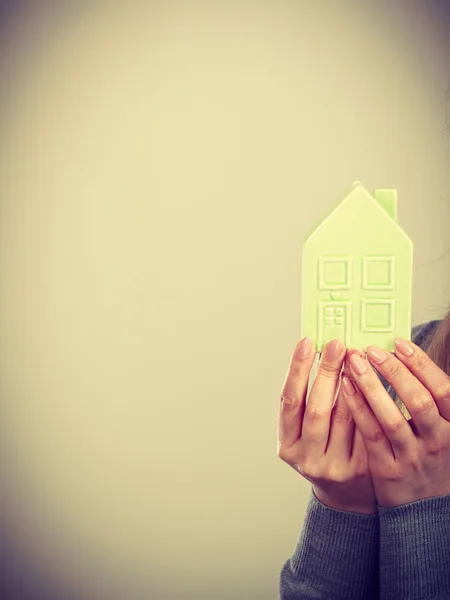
409,460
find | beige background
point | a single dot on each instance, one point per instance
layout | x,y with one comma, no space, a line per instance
161,163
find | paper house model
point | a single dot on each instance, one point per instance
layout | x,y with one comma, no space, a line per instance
357,274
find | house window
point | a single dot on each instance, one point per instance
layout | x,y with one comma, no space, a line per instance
335,273
377,315
378,272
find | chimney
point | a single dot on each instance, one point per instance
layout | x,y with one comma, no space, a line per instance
387,199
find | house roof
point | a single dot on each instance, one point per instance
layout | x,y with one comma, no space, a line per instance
384,200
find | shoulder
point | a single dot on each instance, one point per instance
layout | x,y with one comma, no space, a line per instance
422,332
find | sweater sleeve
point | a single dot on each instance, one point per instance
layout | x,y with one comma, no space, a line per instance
415,550
336,557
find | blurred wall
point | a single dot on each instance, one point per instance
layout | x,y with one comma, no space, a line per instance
160,165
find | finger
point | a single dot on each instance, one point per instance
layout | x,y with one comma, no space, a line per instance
342,427
293,394
340,442
359,451
435,380
316,421
391,420
370,431
346,371
415,396
359,445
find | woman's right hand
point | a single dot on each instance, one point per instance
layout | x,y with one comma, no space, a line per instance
320,441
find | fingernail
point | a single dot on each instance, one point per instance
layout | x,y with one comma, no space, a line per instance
349,352
358,364
304,350
376,355
403,347
334,350
349,388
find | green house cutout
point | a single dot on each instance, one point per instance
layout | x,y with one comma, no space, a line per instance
357,269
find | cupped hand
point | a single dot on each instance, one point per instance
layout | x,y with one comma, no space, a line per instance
320,440
409,460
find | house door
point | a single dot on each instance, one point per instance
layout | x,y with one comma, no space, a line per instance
333,323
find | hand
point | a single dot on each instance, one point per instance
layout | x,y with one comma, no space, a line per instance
320,441
408,460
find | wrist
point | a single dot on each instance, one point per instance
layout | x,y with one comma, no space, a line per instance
365,509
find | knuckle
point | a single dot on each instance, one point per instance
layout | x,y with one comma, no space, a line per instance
308,470
395,425
341,415
442,391
393,367
420,363
281,453
336,474
393,473
362,410
437,446
328,370
375,435
369,385
285,453
288,401
423,403
314,411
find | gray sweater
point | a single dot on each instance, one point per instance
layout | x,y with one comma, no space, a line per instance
401,553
